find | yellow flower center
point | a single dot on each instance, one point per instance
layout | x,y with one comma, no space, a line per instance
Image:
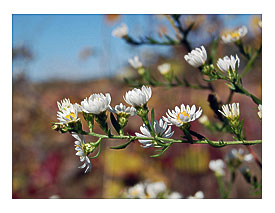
70,116
180,116
233,34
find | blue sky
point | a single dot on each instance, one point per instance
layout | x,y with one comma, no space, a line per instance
57,40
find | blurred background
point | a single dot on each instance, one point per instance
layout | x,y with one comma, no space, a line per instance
72,56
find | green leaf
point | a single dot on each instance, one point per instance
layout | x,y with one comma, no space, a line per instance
123,146
188,135
152,117
99,150
115,123
161,152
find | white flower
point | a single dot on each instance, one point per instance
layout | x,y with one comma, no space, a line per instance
135,63
175,195
122,110
235,154
198,195
260,23
154,189
68,114
96,103
120,31
234,35
137,191
197,57
182,115
81,152
64,104
217,166
260,111
164,68
231,111
226,63
204,120
138,97
160,129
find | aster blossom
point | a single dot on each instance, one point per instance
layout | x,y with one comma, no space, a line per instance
160,129
182,115
198,195
82,151
121,31
197,57
135,63
226,63
138,97
64,104
260,111
122,110
231,111
96,103
234,35
217,166
238,154
68,114
164,68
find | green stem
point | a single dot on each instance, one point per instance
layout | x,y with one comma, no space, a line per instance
250,63
241,90
129,137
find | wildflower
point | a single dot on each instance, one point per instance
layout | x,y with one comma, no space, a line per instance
83,150
231,112
120,31
234,35
204,120
122,110
153,190
260,23
160,129
175,195
182,116
217,166
68,114
164,68
135,63
226,63
197,57
198,195
138,97
238,155
260,111
96,104
123,113
137,191
64,104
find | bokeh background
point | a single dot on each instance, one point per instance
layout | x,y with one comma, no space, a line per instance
73,56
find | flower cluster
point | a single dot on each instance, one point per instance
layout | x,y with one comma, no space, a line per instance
151,190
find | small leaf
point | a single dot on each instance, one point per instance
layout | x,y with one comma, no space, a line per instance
115,123
152,116
123,146
159,154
